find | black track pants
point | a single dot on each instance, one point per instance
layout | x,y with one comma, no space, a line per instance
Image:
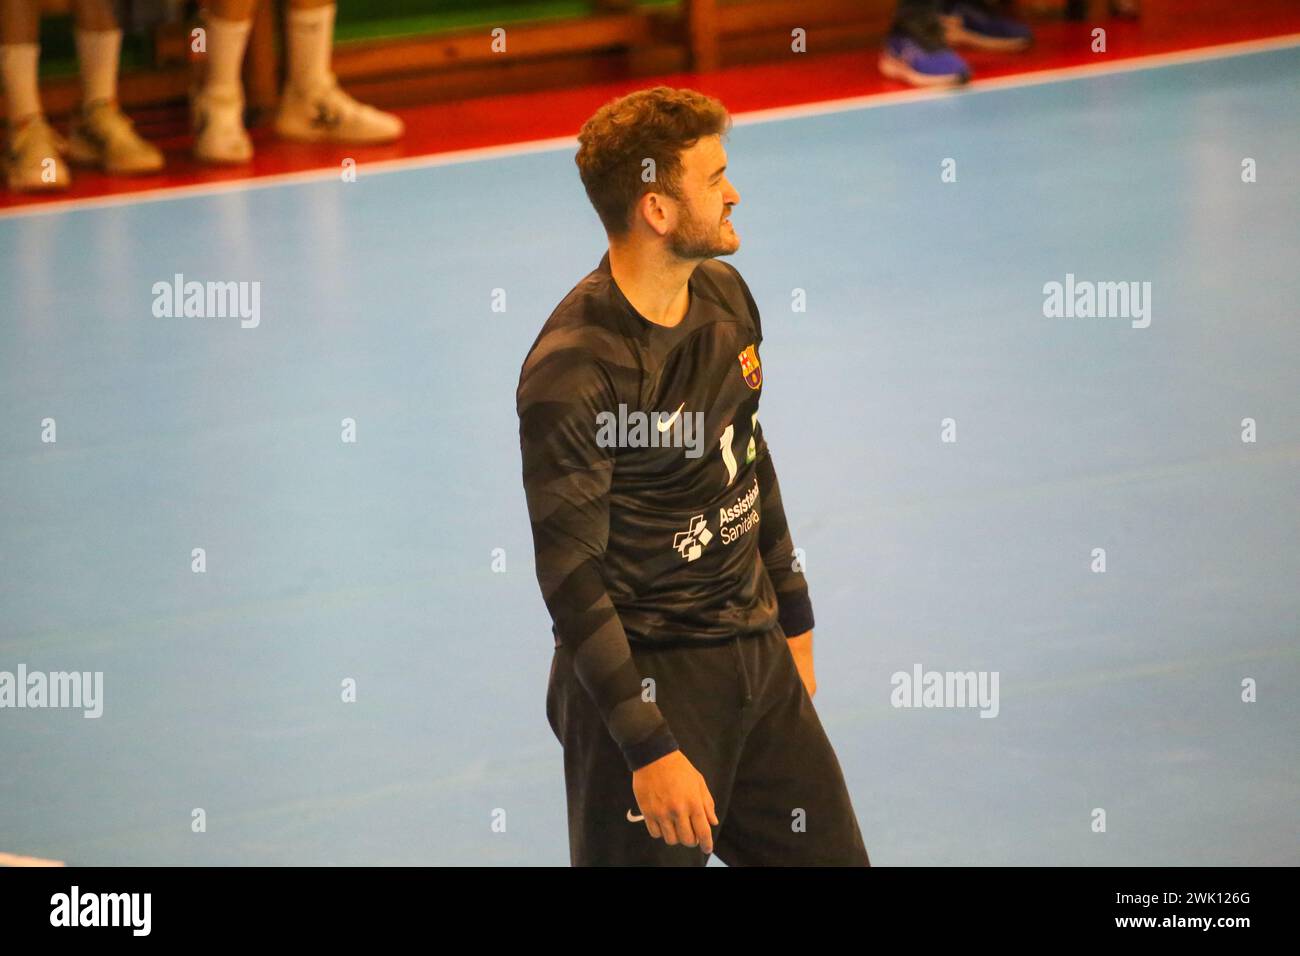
743,718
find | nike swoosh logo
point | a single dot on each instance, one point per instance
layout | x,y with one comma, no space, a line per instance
665,425
637,819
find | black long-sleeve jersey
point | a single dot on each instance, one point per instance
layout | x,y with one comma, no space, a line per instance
655,509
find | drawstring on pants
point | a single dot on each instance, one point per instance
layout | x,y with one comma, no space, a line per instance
744,672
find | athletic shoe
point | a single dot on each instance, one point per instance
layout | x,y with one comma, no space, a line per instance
217,119
975,24
33,157
101,135
915,52
327,114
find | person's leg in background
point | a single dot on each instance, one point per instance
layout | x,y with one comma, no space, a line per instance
919,51
33,152
101,135
217,107
312,107
916,50
981,25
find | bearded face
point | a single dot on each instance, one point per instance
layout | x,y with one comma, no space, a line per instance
698,237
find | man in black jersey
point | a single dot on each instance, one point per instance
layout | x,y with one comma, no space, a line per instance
682,679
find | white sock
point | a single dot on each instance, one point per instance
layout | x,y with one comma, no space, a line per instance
18,65
227,40
98,52
310,41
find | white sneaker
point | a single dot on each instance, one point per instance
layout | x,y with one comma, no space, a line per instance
102,136
217,118
327,114
33,157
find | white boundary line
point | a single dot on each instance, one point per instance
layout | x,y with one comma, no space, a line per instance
820,108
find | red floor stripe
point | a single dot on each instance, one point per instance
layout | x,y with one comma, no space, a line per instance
495,120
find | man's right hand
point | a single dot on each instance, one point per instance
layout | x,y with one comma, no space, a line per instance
675,801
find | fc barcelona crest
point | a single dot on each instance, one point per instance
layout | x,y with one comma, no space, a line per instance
750,369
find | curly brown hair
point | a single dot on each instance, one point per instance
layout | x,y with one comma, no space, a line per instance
652,124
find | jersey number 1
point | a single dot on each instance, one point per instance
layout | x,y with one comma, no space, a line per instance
728,456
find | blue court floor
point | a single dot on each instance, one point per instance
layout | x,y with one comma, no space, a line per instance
373,561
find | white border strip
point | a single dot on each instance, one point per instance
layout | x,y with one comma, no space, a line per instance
820,108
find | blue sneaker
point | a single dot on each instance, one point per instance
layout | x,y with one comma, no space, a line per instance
915,53
975,24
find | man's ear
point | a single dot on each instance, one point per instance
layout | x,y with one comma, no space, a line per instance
653,209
